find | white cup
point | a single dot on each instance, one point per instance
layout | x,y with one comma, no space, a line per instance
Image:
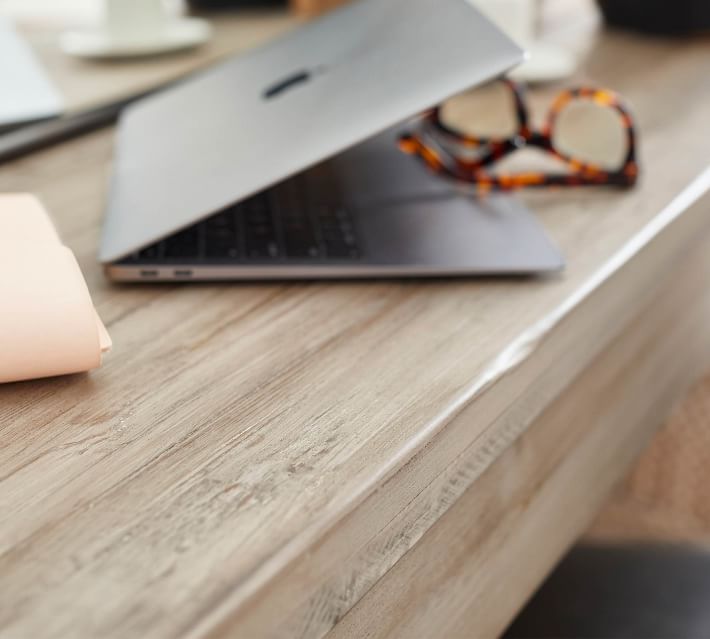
134,20
135,28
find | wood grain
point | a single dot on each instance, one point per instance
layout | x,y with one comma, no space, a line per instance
477,558
253,460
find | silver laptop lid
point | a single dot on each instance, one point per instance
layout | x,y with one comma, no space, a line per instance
261,117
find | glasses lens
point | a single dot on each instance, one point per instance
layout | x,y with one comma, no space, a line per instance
486,112
591,133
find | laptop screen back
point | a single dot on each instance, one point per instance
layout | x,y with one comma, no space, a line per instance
261,117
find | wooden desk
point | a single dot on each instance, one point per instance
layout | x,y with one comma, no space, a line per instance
394,459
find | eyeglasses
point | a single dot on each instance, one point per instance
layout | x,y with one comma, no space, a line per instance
589,130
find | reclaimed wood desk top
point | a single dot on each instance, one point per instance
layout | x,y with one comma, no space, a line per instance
360,459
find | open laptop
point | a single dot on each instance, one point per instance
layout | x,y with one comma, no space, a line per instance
283,163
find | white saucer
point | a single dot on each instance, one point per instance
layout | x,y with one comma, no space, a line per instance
174,35
546,63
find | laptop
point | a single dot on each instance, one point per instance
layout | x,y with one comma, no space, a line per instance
283,163
27,93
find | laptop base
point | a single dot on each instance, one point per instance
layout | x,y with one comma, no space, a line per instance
370,212
439,237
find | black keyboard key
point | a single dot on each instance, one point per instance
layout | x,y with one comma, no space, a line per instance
340,245
222,235
337,233
338,250
258,206
300,236
302,246
263,249
184,244
151,252
261,237
261,245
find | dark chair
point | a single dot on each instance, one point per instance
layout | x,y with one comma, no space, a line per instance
622,592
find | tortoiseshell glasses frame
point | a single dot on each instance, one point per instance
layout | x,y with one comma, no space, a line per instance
475,170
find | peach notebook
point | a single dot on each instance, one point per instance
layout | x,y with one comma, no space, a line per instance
48,324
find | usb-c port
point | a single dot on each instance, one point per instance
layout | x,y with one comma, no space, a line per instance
147,273
183,273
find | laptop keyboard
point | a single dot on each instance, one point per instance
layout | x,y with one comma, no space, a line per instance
277,225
